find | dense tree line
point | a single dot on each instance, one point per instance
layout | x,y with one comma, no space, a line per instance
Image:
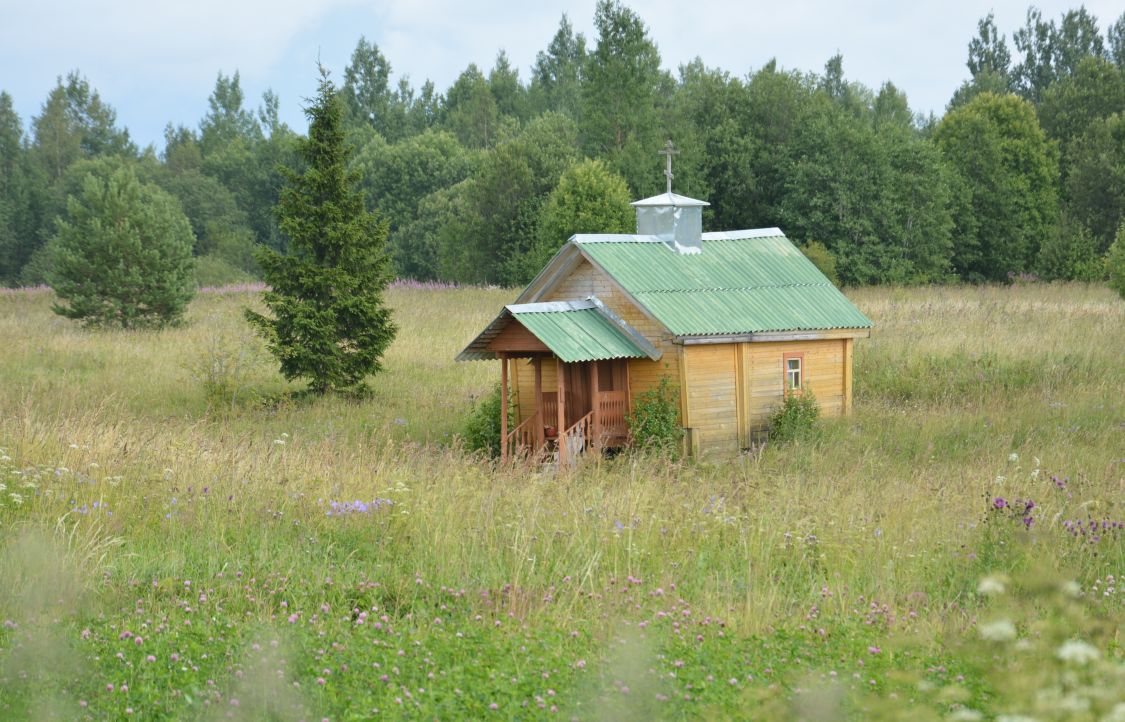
1023,174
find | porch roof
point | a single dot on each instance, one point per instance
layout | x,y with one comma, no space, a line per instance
573,330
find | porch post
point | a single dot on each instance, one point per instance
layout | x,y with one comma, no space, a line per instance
538,361
597,440
503,406
561,387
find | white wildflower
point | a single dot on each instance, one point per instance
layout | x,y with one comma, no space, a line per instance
1000,479
279,442
1074,704
1075,651
998,631
3,486
992,584
1013,457
16,498
5,457
1071,589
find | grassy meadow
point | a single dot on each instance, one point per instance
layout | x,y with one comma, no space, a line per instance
181,539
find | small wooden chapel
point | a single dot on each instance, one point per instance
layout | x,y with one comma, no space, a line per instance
734,319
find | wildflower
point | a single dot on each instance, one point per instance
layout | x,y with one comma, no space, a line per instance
999,631
1013,457
1077,652
993,584
999,503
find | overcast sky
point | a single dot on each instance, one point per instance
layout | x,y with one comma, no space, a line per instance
155,61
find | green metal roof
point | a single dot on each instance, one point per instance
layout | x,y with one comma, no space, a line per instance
574,330
579,334
742,282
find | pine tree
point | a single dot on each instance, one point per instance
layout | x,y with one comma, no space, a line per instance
122,257
330,323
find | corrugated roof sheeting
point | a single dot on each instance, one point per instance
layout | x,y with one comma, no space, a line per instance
728,264
787,308
736,285
580,335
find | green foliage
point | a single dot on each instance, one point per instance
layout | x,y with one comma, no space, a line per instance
463,175
822,258
1095,91
654,422
209,206
589,198
879,200
21,188
1095,185
1010,175
399,177
795,418
621,84
482,428
471,112
495,212
330,324
556,75
227,120
212,271
122,257
1115,262
1070,253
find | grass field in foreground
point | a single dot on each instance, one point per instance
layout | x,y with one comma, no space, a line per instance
182,540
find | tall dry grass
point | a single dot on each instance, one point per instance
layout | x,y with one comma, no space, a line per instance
187,435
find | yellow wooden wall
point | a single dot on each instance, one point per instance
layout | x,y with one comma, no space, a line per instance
732,388
711,377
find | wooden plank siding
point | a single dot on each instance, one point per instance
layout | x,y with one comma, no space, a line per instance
733,388
712,397
823,371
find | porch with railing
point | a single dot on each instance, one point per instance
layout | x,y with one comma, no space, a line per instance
538,438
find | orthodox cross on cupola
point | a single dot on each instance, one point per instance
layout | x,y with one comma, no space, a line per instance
668,151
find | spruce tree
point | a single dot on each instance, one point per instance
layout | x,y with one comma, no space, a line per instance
330,324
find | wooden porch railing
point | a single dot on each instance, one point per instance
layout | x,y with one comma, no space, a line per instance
574,441
614,406
523,439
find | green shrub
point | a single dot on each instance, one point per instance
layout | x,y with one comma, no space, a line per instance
795,417
482,428
654,422
1115,262
1070,253
823,259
